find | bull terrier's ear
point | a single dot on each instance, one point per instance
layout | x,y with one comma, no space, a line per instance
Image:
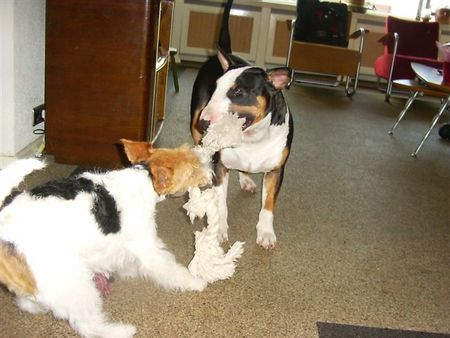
224,59
281,77
137,151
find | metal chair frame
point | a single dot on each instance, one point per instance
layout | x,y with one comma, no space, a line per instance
350,90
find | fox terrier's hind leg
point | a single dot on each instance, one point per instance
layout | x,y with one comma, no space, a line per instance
71,294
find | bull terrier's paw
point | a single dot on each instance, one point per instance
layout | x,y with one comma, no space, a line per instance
222,233
247,184
265,235
267,240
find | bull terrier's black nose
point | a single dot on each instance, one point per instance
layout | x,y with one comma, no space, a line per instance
203,124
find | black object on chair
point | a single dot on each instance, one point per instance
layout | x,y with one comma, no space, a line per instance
322,22
319,43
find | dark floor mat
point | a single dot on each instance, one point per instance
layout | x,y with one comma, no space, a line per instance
333,330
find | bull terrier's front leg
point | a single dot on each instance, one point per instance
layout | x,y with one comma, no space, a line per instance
265,236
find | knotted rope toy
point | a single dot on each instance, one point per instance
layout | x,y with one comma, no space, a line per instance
210,262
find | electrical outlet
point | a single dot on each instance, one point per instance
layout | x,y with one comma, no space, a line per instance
38,114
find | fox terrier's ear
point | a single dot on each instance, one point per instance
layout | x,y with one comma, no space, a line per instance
137,151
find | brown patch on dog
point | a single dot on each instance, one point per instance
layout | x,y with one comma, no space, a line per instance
195,131
284,156
271,185
235,108
14,271
219,170
257,111
262,106
173,170
272,182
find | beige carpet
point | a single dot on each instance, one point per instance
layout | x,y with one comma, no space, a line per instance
363,231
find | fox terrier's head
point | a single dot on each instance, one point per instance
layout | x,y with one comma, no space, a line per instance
173,171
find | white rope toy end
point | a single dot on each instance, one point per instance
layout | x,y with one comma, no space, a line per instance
210,262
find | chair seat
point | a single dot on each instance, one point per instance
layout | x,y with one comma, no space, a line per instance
315,58
406,41
402,65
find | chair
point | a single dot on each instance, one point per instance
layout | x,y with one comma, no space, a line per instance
429,82
319,35
406,41
416,89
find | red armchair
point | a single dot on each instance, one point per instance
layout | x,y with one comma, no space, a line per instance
406,41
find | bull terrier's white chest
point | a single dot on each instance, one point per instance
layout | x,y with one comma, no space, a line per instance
260,156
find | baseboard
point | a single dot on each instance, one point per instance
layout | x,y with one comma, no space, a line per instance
33,149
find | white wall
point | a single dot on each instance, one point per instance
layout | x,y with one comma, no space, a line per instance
22,62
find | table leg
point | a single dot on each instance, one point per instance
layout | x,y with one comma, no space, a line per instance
433,123
408,104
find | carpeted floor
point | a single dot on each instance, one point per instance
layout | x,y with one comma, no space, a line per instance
363,231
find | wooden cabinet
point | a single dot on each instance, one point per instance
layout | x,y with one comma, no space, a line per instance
101,79
200,27
258,30
278,38
260,34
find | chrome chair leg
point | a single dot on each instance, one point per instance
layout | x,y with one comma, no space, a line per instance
350,91
391,70
387,95
436,118
408,104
